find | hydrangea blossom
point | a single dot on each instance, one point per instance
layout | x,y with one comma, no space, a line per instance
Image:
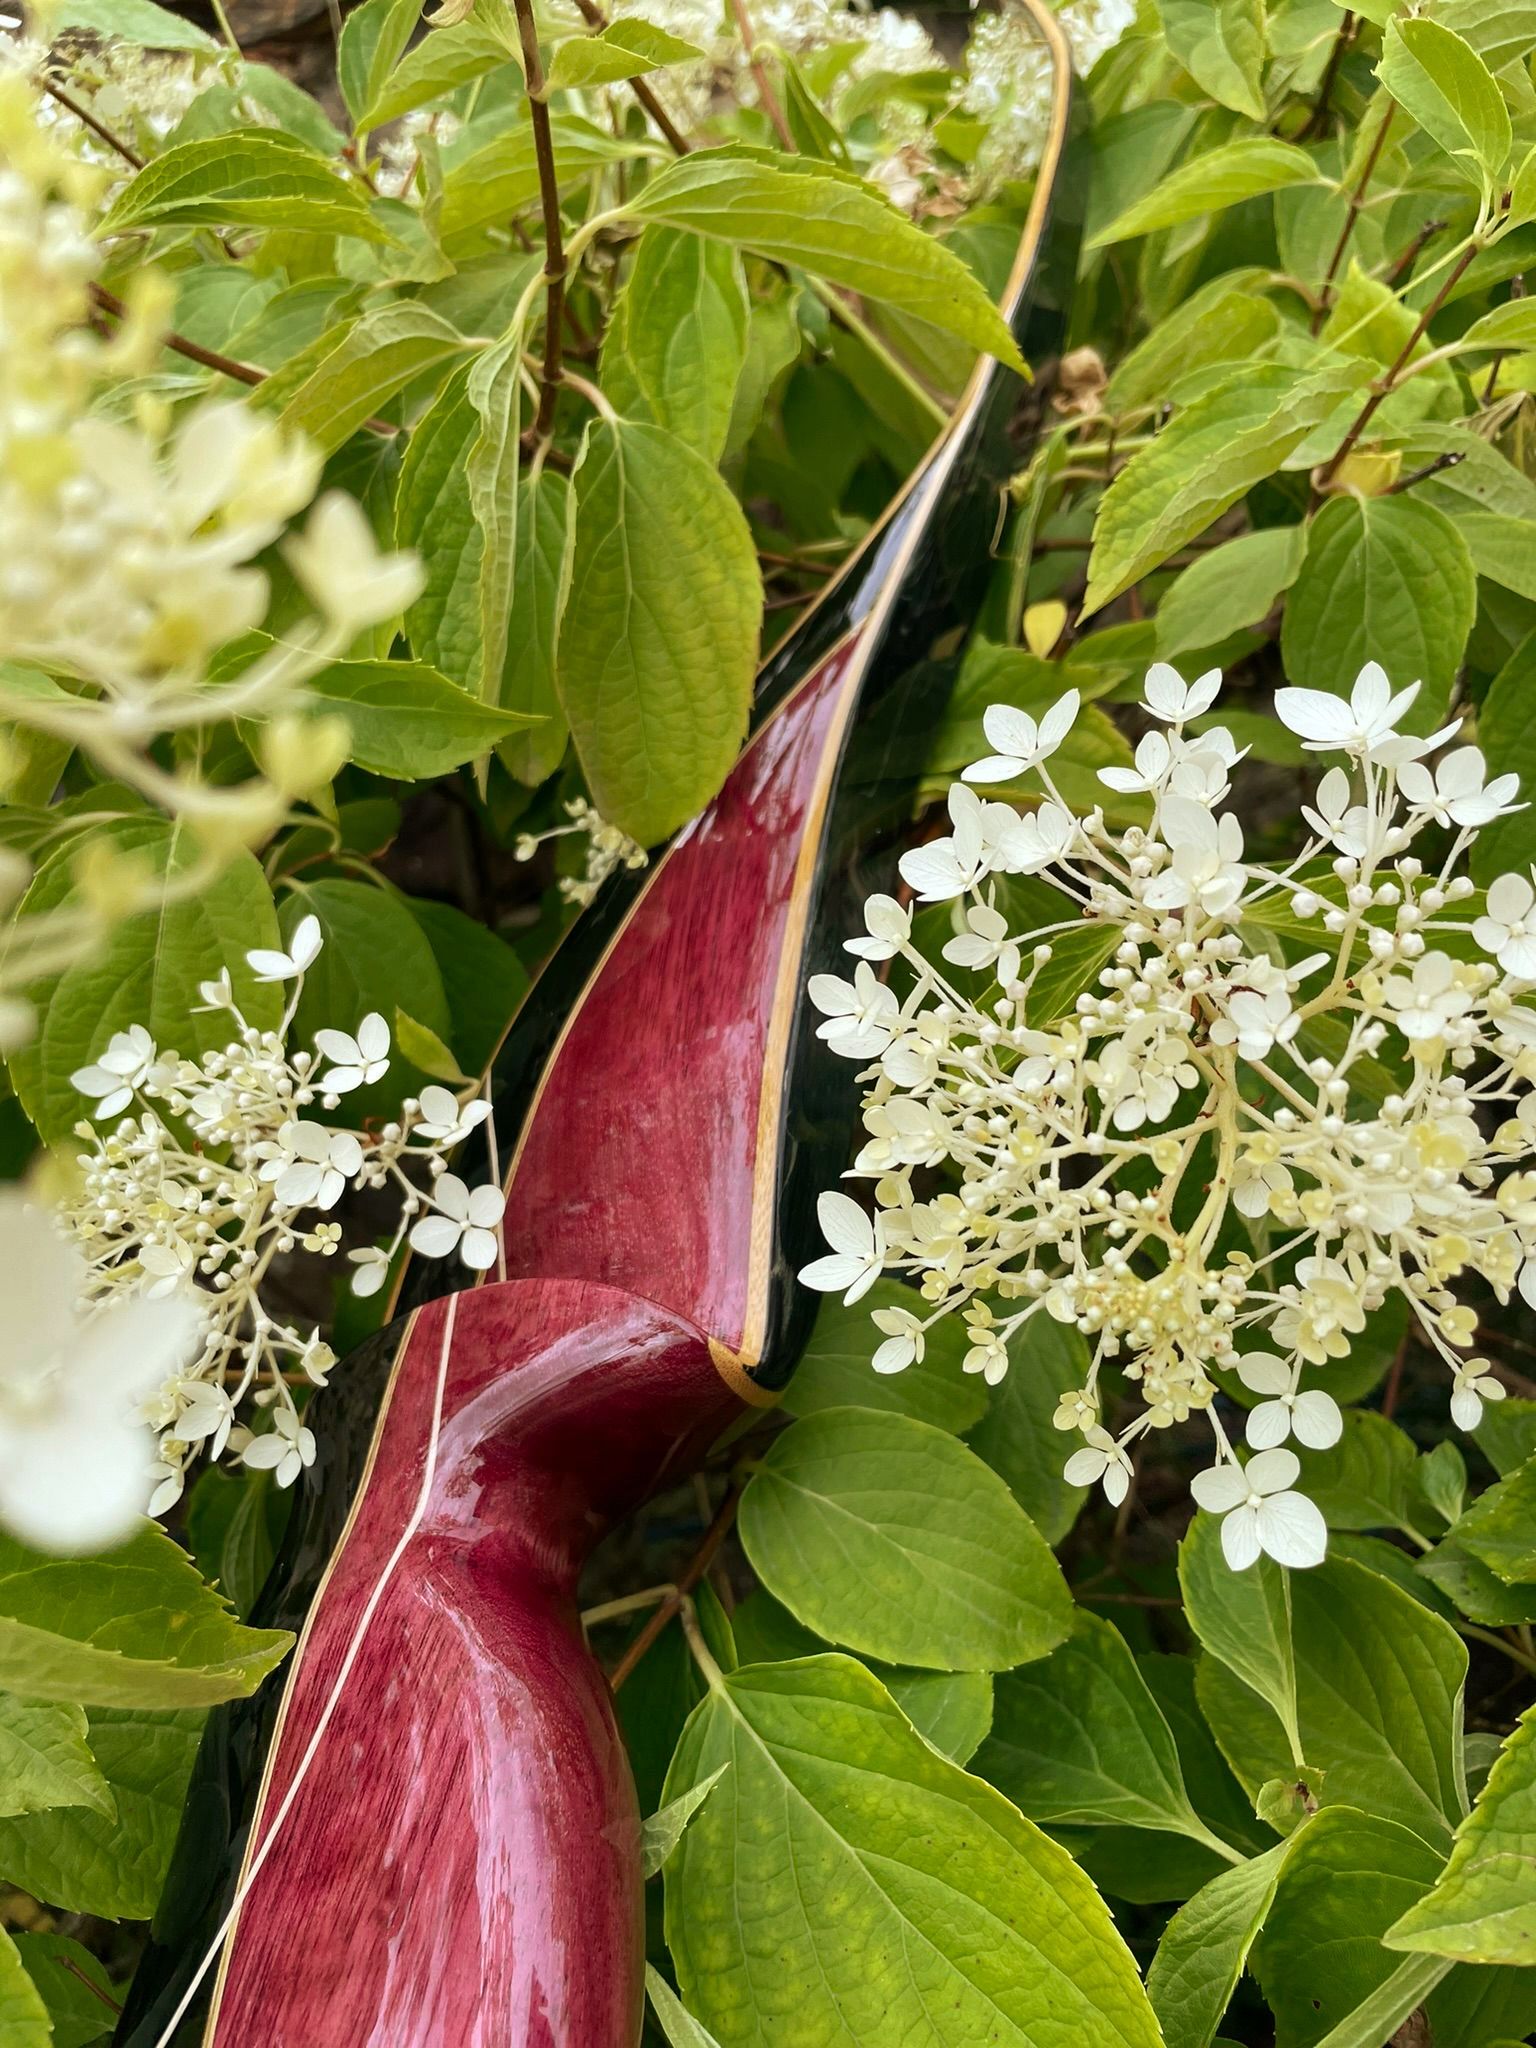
223,1166
608,848
1287,1092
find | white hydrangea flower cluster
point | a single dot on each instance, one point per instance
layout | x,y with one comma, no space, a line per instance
1293,1091
220,1169
1008,76
608,847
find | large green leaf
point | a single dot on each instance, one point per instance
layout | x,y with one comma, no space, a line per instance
1482,1908
130,21
1205,1947
675,2021
835,1370
133,1627
373,40
147,969
1202,462
1229,588
256,178
1499,1528
1448,89
23,2016
674,347
447,58
885,1895
1243,1620
370,361
658,632
45,1759
1229,320
1016,1438
832,225
890,1536
408,721
1220,43
73,1985
483,979
1320,1960
1362,1481
1078,1739
1387,580
1220,178
483,190
86,1862
1506,732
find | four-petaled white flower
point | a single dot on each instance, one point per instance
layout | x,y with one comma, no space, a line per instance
1102,1459
313,1165
1473,1387
862,1015
985,943
360,1061
1261,1513
372,1269
889,928
467,1222
1327,724
1154,758
1430,1000
1256,1023
1037,841
445,1120
1508,930
122,1068
1312,1417
949,866
904,1340
76,1465
858,1249
285,1450
1021,743
271,965
1335,816
1168,696
1207,871
1455,794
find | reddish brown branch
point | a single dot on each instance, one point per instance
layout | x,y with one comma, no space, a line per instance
595,18
692,1573
549,206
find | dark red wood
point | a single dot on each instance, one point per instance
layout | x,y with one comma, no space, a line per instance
395,1905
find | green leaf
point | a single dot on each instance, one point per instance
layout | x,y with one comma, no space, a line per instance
661,1832
1016,1438
675,2021
134,1627
1078,1739
1501,31
1220,43
84,1862
1205,459
373,41
447,58
624,49
1320,1960
1205,1947
130,21
1482,1908
374,358
81,2012
528,678
256,178
483,979
23,2016
1388,580
1499,1529
45,1759
148,968
235,1521
832,225
1492,503
1448,89
1231,587
890,1536
1480,1594
494,393
485,189
658,630
1507,734
1363,1481
408,721
675,345
1244,1620
1076,958
1220,178
906,1900
1510,326
835,1370
426,1051
1229,320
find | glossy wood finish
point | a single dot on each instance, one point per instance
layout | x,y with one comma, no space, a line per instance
458,1867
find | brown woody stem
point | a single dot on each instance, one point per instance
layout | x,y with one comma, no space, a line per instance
1356,202
549,204
98,128
692,1573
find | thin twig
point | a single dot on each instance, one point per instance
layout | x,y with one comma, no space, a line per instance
549,205
1341,42
1388,384
1447,461
690,1576
90,1983
765,91
1356,202
98,128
